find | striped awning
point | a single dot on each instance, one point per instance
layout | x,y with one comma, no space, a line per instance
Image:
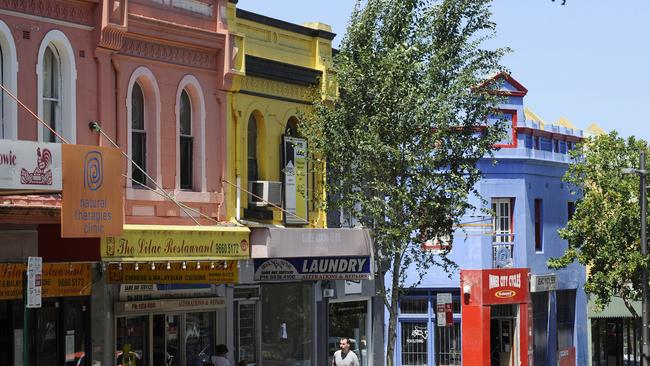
615,309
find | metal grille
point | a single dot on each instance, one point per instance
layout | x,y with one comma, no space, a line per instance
448,345
413,306
414,344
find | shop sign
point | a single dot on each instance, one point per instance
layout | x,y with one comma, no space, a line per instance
163,243
541,283
566,357
505,286
138,292
444,310
171,304
27,166
314,268
295,180
175,273
93,204
34,282
58,280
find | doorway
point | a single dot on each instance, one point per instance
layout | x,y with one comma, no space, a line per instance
503,342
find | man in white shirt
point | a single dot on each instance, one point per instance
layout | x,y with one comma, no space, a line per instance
220,358
345,357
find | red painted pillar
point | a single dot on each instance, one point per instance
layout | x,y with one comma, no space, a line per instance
525,334
476,335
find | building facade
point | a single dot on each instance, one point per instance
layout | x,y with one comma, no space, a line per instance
506,307
308,285
223,240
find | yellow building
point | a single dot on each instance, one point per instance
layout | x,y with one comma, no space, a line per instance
273,67
282,302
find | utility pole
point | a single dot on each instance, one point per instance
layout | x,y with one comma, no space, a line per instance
645,331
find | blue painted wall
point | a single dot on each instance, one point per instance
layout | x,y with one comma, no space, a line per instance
524,173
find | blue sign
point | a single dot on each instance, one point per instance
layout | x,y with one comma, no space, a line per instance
312,269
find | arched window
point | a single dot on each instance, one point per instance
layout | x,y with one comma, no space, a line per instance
52,93
138,136
186,141
56,88
8,77
252,149
292,127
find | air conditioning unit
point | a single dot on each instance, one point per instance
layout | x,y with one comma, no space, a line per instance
264,192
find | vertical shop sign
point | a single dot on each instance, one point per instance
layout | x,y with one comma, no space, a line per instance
444,310
294,169
92,203
34,281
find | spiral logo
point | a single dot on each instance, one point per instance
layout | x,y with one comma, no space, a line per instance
93,170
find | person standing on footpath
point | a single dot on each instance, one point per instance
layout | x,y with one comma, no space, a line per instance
344,357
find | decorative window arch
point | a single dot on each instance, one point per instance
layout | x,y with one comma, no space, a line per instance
57,86
9,78
142,80
190,143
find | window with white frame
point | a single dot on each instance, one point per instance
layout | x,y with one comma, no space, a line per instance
51,93
8,78
138,136
56,88
186,142
252,149
502,220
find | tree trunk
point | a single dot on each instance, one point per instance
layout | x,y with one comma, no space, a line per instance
392,309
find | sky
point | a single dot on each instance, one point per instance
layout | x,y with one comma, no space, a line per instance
586,61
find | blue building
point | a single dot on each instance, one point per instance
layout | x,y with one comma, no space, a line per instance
508,308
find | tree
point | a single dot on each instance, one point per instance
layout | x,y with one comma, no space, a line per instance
402,141
603,233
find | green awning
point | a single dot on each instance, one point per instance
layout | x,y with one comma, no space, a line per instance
615,309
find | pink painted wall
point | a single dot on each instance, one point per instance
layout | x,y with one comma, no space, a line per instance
110,40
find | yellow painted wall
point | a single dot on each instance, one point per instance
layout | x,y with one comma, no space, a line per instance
260,40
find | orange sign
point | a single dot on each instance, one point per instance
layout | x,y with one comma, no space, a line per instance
205,272
58,280
92,192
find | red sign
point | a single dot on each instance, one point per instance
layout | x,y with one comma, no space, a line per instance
567,357
496,286
505,286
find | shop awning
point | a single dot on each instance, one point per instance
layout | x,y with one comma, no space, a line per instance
270,242
161,243
293,254
615,309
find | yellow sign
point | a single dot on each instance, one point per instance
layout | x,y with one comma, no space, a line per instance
161,243
59,280
207,273
92,203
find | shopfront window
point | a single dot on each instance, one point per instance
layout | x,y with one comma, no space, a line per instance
247,332
199,338
448,345
349,319
540,326
166,340
414,341
45,346
132,339
566,306
286,324
74,318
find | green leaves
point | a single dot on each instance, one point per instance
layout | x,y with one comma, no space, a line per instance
604,231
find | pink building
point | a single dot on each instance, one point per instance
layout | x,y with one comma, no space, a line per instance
150,73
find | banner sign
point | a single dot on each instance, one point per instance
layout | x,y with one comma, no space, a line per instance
93,204
176,243
160,274
294,169
34,282
27,166
58,280
138,292
540,283
444,310
505,286
314,268
172,304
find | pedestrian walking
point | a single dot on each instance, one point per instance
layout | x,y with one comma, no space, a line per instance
220,358
345,357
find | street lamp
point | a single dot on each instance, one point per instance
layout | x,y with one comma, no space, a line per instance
645,311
